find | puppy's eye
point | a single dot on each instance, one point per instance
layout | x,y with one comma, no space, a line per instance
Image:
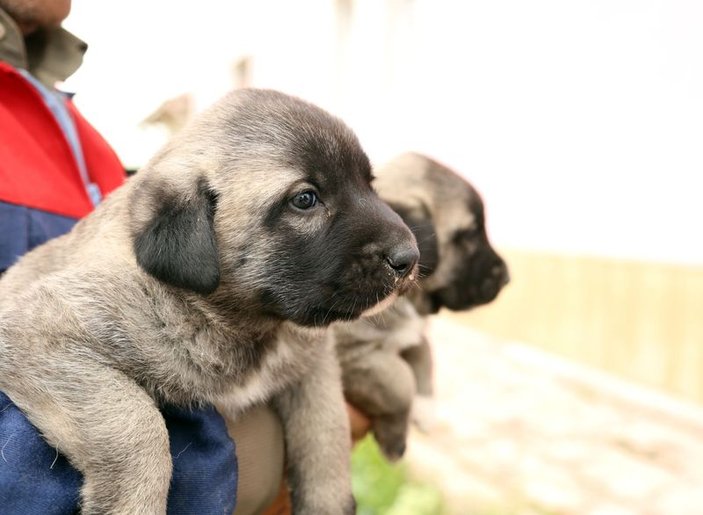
305,200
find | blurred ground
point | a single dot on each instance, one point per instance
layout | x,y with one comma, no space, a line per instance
518,431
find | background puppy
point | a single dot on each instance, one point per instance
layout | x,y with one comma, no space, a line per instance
207,278
386,358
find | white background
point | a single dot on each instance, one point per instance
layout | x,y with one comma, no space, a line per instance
580,121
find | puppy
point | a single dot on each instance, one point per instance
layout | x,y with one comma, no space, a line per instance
208,278
386,359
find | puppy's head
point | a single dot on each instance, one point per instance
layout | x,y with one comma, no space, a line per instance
264,203
459,268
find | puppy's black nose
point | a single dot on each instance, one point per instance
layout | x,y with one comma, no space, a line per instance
402,259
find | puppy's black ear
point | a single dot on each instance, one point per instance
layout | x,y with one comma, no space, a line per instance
420,223
177,246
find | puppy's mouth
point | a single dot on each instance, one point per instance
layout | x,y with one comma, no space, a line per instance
364,305
401,286
455,300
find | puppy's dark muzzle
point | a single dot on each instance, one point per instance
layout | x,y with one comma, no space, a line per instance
487,276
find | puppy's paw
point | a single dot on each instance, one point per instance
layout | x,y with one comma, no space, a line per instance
350,506
393,450
391,436
424,413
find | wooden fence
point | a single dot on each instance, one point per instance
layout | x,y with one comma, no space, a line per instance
642,321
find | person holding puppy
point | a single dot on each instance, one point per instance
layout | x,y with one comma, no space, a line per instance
54,169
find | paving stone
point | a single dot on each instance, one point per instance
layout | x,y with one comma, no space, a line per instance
495,457
465,489
567,451
624,476
516,437
672,449
614,509
684,499
551,487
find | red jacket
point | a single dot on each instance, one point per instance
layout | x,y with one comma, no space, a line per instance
37,167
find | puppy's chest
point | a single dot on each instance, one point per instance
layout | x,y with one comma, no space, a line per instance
284,362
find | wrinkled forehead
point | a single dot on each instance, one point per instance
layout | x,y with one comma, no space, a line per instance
298,136
317,163
330,160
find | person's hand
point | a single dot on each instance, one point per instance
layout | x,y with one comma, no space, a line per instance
359,422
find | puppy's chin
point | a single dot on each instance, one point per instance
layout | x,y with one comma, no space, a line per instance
322,317
381,306
323,311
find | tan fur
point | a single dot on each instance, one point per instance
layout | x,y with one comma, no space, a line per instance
182,288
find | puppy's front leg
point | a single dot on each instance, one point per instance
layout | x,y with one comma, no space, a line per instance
110,430
382,384
419,357
318,442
